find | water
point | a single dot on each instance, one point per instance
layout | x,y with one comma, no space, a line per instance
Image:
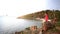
10,24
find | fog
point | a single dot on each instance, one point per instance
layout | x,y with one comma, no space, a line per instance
23,7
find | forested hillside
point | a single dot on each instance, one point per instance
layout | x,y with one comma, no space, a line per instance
51,13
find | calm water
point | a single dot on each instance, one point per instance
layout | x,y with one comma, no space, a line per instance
11,24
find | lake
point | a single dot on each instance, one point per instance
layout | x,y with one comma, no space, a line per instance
9,24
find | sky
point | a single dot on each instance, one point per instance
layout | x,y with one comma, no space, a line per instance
22,7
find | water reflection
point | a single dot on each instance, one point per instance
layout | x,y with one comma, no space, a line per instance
11,24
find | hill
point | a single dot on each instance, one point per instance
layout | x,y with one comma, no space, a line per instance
51,13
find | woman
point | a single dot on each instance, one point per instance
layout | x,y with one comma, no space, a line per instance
46,17
46,20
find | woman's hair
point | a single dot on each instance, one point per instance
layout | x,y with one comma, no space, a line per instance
46,12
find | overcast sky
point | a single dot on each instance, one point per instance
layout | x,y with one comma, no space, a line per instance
22,7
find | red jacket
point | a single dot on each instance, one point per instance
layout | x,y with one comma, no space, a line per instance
46,17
